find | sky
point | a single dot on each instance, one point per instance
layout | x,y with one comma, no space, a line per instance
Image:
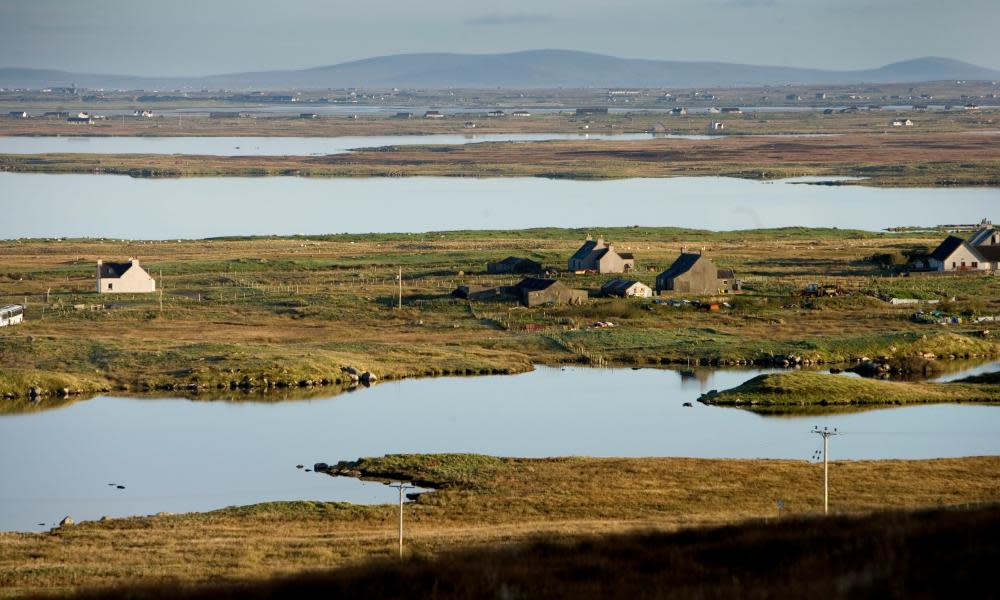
202,37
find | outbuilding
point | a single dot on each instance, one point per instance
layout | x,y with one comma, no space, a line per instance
627,288
513,264
533,291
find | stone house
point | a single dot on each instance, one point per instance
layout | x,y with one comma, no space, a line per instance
595,255
532,291
513,264
694,273
123,278
627,288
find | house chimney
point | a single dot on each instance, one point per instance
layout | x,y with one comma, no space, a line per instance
600,241
133,260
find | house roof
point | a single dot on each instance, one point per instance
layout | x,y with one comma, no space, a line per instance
682,265
947,248
114,270
989,253
982,235
584,250
725,274
533,284
626,255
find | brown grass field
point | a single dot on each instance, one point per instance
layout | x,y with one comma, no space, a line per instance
301,308
480,501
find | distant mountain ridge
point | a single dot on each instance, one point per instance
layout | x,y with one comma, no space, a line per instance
528,69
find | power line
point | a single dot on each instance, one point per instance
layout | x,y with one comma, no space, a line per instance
827,434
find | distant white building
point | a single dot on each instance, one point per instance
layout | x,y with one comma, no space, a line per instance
123,278
11,314
520,113
902,123
433,114
716,126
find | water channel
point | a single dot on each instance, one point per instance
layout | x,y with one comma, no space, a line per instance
182,455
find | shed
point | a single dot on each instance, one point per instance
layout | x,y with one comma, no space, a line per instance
533,291
625,288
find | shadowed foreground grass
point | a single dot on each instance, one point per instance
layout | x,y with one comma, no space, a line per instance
941,553
481,501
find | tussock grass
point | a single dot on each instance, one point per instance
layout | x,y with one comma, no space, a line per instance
480,501
805,389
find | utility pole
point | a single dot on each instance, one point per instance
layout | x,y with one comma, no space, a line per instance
827,434
401,486
161,290
400,288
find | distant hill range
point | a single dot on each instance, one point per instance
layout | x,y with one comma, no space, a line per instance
529,69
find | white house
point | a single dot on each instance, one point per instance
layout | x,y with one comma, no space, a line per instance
123,278
11,315
902,123
716,126
956,254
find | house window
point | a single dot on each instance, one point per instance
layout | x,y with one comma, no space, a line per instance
109,285
975,265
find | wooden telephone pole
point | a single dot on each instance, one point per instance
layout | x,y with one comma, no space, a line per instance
401,486
827,434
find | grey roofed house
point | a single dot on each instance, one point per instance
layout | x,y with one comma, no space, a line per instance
626,288
694,273
956,254
595,255
514,264
533,291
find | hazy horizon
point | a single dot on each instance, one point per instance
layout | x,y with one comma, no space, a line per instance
189,38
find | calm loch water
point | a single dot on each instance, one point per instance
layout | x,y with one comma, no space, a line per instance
45,205
181,455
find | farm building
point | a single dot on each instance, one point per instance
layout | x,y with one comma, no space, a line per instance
520,113
476,292
513,264
495,114
533,291
17,114
694,273
595,255
124,278
626,288
11,314
902,123
433,114
716,126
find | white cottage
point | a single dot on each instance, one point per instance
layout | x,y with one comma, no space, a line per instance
123,278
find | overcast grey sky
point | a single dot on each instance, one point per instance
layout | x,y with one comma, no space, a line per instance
200,37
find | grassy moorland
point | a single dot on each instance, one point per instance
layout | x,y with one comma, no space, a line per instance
891,159
237,312
480,500
932,553
794,390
